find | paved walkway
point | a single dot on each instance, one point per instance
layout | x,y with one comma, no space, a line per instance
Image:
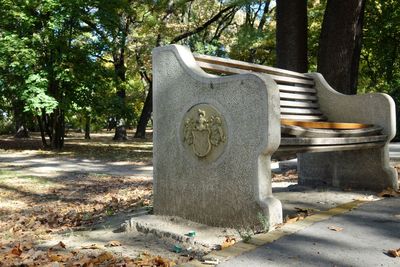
33,164
50,166
368,233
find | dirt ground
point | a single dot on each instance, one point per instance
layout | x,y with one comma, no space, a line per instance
67,207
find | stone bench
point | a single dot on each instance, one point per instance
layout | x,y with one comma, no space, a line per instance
214,136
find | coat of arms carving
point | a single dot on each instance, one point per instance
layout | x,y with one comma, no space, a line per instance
203,130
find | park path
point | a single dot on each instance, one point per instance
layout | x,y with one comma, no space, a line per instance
361,237
32,163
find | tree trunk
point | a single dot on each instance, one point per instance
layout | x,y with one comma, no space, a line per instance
120,133
120,77
120,129
87,127
20,128
22,132
291,35
340,44
42,134
145,115
58,129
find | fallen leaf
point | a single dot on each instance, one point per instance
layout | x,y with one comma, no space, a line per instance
92,246
159,261
59,246
292,219
105,256
394,252
229,241
335,228
27,246
59,257
307,212
113,243
146,259
295,218
84,261
389,192
16,250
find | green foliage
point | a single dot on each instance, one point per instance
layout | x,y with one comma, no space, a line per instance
315,16
73,57
35,96
380,68
6,124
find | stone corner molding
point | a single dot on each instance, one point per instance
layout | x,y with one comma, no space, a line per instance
204,131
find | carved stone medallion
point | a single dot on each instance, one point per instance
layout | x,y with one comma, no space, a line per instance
204,131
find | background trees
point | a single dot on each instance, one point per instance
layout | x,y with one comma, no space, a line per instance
86,63
291,35
340,44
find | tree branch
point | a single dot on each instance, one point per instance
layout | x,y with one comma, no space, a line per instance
203,26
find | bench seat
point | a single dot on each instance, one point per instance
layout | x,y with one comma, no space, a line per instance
297,131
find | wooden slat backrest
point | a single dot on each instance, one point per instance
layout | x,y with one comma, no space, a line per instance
298,96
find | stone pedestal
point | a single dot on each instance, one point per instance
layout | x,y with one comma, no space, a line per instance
213,141
361,169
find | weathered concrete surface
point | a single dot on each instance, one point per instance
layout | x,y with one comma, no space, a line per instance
101,234
368,233
361,169
394,152
231,189
214,138
176,230
295,197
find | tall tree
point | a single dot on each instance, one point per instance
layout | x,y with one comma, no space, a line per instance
340,44
176,12
291,35
47,62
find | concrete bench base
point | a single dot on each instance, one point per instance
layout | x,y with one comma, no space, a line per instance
360,169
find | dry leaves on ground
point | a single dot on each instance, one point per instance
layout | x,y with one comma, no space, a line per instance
65,203
287,176
22,255
32,210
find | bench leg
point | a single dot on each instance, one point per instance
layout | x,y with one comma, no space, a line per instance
356,169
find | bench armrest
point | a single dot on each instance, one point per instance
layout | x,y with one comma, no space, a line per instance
176,71
374,108
192,171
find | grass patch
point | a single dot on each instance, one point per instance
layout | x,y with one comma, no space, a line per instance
101,146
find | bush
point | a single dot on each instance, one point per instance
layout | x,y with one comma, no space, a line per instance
6,126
